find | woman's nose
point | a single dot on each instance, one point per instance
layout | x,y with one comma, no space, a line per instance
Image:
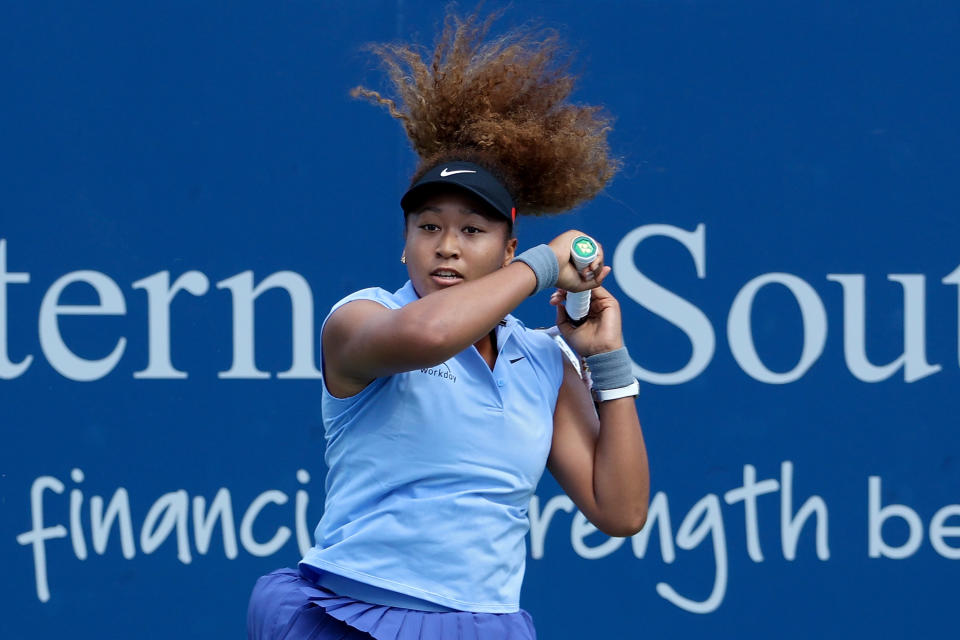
448,246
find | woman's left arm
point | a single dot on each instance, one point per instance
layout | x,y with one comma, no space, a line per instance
598,456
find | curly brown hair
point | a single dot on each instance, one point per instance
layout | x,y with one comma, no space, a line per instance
504,105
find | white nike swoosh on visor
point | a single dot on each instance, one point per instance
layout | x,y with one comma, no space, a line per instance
447,172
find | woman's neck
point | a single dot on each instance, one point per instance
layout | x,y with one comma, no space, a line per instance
487,346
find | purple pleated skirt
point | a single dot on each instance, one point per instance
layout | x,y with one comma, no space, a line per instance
285,605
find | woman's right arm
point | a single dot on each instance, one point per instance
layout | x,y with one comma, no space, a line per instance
363,340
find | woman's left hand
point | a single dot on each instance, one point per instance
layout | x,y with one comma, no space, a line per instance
601,330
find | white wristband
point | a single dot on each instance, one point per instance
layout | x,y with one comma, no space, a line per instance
602,395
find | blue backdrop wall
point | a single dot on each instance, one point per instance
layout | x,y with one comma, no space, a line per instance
784,243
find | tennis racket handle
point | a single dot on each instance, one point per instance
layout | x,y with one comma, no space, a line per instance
583,251
577,306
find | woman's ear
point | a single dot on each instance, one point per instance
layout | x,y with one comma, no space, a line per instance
510,251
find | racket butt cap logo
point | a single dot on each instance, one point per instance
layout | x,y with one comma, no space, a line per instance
584,248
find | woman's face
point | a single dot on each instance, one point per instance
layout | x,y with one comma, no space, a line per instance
450,239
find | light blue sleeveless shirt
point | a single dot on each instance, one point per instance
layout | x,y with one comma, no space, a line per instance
431,471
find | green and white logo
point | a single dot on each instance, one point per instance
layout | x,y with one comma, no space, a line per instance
585,248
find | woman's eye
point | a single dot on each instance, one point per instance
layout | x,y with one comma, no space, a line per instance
471,230
429,227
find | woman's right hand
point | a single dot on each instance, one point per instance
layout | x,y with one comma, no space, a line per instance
570,279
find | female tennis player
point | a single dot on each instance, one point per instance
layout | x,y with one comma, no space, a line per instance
441,409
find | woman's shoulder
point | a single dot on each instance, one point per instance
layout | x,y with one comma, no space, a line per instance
391,300
542,337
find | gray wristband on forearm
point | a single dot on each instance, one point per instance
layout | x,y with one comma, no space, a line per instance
610,370
543,261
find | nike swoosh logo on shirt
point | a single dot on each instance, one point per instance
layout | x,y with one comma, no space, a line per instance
517,359
447,172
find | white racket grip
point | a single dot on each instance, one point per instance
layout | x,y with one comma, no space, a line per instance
583,251
578,305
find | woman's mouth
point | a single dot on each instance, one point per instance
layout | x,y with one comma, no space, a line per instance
446,276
